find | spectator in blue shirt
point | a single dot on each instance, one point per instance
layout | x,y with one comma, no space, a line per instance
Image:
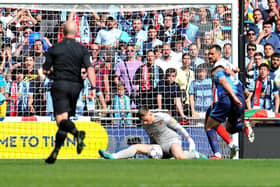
108,37
187,30
166,32
263,91
269,49
200,92
125,20
275,69
258,19
121,102
18,92
253,68
152,40
86,101
3,105
267,36
47,85
275,64
196,61
137,34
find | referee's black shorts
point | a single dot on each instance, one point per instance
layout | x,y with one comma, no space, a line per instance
65,95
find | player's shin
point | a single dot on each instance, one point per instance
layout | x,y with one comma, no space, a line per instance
126,153
213,140
59,139
224,134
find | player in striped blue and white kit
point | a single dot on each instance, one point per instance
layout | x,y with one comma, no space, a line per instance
230,103
161,128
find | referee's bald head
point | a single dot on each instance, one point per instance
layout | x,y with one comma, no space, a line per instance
70,28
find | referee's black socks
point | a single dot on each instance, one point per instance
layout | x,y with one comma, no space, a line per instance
65,126
68,126
59,139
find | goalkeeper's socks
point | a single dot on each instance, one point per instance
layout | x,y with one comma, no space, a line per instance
191,155
213,140
68,126
125,153
224,134
198,155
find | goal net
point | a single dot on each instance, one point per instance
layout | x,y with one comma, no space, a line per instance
144,55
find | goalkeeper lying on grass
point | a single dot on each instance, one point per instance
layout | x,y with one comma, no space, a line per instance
161,128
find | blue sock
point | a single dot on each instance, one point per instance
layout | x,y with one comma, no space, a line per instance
213,140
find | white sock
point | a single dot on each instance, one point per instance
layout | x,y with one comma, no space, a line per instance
191,155
125,153
218,154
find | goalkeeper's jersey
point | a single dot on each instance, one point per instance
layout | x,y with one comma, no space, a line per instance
162,130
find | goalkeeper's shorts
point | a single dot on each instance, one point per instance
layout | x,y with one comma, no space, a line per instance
166,147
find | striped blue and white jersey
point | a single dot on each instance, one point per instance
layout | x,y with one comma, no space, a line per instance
234,82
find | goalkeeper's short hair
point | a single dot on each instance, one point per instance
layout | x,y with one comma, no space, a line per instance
143,111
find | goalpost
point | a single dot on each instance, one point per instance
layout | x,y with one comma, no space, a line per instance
27,130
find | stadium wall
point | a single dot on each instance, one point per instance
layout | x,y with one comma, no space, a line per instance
265,143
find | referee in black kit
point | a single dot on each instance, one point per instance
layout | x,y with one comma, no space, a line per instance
63,63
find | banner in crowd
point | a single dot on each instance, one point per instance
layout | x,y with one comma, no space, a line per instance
261,113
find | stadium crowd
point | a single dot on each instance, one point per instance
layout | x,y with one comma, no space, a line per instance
156,58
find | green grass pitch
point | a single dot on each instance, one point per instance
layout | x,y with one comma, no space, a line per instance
140,173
